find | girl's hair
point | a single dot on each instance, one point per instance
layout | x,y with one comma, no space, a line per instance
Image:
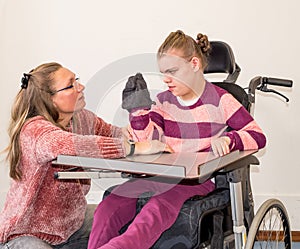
34,99
187,46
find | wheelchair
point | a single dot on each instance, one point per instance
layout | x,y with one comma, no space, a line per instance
225,217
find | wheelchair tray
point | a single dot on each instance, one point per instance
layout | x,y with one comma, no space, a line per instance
179,165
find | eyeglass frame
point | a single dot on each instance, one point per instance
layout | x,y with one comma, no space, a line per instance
67,87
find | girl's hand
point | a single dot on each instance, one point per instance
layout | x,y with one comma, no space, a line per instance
220,146
151,147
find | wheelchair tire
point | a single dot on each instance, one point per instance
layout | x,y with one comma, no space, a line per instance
270,227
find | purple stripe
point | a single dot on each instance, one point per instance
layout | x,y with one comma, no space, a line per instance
191,130
139,122
157,118
236,140
239,119
209,149
259,138
211,95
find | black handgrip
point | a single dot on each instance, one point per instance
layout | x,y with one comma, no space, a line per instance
278,82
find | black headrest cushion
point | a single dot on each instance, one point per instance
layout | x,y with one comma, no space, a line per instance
221,58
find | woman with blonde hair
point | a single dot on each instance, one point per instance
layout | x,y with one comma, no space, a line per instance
48,118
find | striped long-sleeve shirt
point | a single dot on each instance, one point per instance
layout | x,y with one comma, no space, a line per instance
192,128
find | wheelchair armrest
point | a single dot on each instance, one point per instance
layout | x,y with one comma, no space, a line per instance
243,162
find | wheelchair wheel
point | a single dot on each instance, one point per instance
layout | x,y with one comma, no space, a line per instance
270,227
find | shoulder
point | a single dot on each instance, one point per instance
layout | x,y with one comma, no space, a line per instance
212,94
166,96
211,88
37,126
38,121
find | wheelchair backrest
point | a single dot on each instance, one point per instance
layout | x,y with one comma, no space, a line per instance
222,60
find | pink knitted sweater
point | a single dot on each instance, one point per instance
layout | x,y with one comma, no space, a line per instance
40,205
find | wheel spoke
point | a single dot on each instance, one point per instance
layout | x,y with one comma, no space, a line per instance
270,227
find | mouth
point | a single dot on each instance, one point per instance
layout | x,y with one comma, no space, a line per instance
171,88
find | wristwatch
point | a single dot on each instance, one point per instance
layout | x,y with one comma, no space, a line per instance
132,147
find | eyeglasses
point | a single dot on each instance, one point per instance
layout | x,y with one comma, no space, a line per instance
74,84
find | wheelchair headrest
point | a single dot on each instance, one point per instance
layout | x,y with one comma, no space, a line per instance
221,60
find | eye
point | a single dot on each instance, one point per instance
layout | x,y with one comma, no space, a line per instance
172,71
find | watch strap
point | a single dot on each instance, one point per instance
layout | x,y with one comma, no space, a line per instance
132,147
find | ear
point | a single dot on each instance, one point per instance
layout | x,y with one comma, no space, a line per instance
54,102
196,64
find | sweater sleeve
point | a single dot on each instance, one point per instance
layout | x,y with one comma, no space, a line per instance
50,141
86,122
245,134
147,124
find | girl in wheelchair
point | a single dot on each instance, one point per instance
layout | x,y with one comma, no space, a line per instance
193,115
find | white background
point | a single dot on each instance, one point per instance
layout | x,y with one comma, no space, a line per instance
87,35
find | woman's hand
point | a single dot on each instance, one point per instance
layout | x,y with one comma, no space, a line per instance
148,147
220,146
126,132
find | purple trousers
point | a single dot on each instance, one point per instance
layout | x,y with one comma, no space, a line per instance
159,213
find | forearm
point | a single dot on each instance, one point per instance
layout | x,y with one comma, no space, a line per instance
247,139
245,133
52,143
141,125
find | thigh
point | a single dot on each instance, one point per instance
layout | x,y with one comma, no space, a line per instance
26,242
79,239
134,188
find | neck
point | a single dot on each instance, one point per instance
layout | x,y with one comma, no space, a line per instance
197,89
64,120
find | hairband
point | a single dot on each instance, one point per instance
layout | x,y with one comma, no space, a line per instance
25,80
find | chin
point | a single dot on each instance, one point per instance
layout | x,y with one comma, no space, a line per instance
175,94
79,107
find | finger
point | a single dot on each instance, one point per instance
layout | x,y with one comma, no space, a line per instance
220,151
225,146
215,150
225,149
126,132
168,149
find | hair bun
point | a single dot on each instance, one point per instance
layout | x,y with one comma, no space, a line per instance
202,41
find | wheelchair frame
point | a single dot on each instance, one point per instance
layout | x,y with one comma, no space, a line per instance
254,235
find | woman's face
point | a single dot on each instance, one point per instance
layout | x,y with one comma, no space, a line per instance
179,75
68,97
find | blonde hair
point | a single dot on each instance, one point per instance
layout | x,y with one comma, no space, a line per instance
187,46
34,99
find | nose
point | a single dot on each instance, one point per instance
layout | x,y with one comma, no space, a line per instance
80,87
167,79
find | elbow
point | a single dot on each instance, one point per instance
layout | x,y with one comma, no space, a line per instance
261,143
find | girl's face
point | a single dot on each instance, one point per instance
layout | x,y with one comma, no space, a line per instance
180,75
68,93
